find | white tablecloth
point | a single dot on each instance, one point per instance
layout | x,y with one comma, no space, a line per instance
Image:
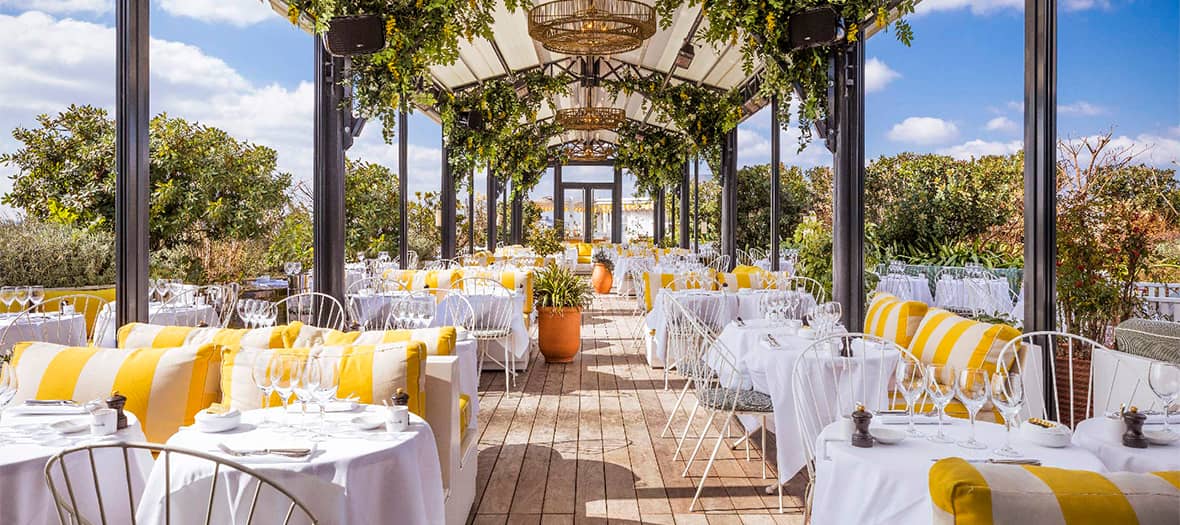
906,287
1103,437
988,296
157,314
25,498
361,477
369,307
769,370
743,304
784,265
47,328
889,484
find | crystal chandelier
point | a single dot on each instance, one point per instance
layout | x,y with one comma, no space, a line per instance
592,27
588,150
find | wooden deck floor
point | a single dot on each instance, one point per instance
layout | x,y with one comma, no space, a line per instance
579,443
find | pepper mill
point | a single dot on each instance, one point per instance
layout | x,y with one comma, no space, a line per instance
1133,437
117,401
401,398
860,422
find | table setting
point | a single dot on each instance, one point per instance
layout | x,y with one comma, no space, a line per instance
1132,440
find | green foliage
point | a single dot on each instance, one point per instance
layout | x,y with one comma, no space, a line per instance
374,216
424,235
544,240
814,241
557,287
205,185
292,241
600,257
653,154
55,255
753,210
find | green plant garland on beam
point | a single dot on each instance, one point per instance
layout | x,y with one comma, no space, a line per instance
653,154
525,154
703,115
761,30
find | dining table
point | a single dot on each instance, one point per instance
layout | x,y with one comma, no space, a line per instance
888,484
906,287
158,313
350,475
28,441
1103,436
50,327
988,295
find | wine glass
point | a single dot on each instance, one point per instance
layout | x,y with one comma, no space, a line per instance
7,296
328,386
971,386
305,387
267,313
1164,380
284,375
244,312
911,381
23,294
260,372
37,295
1008,396
940,386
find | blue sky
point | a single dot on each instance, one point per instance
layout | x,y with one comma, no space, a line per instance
958,90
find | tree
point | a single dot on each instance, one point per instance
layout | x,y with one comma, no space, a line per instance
205,184
753,211
373,216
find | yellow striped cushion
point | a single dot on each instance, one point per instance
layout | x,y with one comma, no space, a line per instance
165,387
739,280
945,338
438,341
143,335
980,494
745,268
426,279
372,373
894,319
464,415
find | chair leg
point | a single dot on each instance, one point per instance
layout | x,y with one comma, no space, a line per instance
701,439
708,466
679,401
684,434
763,450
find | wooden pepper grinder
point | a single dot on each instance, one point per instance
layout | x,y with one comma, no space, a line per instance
860,422
401,398
117,401
1133,437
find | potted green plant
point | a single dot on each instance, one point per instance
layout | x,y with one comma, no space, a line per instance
560,296
602,278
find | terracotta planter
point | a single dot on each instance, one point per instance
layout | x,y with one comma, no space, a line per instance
601,279
559,333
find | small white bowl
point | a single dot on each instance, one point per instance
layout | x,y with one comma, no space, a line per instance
369,422
806,332
1159,437
1057,436
213,422
887,436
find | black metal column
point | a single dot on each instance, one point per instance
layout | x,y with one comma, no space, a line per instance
616,207
492,190
471,212
775,190
132,181
403,185
588,215
685,185
849,175
1040,170
448,204
516,227
696,204
328,179
558,203
728,180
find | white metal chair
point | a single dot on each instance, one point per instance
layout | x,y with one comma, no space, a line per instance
493,307
38,323
411,262
830,378
220,298
808,285
78,470
362,294
312,309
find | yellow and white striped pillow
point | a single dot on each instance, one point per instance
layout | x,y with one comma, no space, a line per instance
981,494
371,373
165,387
512,280
438,340
945,338
894,319
426,279
739,280
142,335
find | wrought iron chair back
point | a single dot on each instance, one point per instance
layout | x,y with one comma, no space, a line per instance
808,285
221,299
312,309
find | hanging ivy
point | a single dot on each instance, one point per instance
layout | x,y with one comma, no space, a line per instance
760,28
703,115
654,155
509,134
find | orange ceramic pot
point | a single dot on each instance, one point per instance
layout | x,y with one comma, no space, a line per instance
601,279
559,333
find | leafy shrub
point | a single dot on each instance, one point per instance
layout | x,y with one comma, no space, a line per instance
54,255
814,241
544,241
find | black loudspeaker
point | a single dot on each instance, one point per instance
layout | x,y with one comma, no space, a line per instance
355,35
471,119
817,27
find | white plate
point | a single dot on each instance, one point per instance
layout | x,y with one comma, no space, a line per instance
1159,437
368,422
71,426
887,436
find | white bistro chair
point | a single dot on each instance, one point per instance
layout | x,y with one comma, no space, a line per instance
493,307
312,309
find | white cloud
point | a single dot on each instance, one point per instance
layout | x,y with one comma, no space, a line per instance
1081,5
752,144
978,7
51,63
239,13
1152,149
878,75
924,130
1080,108
61,6
1001,124
979,148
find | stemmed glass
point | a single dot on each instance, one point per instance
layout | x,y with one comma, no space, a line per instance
37,296
292,268
1008,396
23,294
328,386
261,373
284,375
1164,380
305,387
267,313
7,296
971,386
912,383
940,386
245,312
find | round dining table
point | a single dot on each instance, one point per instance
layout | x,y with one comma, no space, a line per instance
1103,437
51,327
351,476
889,484
27,442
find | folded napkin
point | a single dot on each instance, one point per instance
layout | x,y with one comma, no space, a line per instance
45,410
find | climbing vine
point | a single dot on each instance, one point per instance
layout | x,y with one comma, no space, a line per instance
654,155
